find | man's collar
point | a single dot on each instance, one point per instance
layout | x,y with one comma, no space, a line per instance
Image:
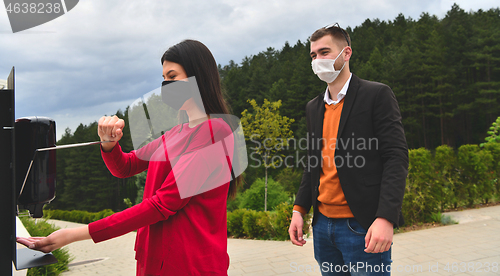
340,95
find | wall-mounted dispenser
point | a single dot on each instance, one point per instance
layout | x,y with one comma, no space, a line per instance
35,171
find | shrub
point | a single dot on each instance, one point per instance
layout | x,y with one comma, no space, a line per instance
436,217
87,217
283,218
486,184
494,148
419,202
263,225
474,165
441,218
77,215
104,213
253,198
251,227
447,220
445,165
235,223
42,229
265,221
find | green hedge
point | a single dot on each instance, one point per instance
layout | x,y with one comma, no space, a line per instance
77,215
262,225
449,179
41,228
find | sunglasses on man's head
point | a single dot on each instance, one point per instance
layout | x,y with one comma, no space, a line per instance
337,26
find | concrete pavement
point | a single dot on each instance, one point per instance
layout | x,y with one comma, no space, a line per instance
471,247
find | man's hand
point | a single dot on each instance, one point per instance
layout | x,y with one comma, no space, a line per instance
110,129
295,229
56,240
378,239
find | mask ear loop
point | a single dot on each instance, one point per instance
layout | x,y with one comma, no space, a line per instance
336,60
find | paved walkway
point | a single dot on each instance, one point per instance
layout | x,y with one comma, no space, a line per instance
471,247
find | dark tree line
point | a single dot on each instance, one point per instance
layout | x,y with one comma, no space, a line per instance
83,181
444,72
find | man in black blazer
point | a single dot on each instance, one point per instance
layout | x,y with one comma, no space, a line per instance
370,158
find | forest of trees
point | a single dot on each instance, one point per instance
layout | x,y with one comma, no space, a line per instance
444,73
83,182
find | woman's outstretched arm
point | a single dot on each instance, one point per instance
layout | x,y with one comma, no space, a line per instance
56,240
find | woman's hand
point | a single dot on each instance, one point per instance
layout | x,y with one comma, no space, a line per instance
110,129
56,240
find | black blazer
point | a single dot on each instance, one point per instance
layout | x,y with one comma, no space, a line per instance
371,153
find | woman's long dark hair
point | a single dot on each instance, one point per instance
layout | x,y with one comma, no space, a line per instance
198,61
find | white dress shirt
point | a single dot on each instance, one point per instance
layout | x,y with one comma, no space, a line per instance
340,95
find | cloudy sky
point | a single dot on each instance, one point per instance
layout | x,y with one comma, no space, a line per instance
102,55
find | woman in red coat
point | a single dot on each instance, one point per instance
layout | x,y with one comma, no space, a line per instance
181,221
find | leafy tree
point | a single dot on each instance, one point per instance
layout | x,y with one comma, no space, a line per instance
270,131
494,133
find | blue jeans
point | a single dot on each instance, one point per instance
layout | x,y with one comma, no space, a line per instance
339,246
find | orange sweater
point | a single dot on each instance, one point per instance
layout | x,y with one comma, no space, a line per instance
332,202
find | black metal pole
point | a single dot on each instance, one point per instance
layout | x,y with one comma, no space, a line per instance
7,184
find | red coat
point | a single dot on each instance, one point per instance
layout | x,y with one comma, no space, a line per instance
181,221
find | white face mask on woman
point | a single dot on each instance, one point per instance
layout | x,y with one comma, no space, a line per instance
325,69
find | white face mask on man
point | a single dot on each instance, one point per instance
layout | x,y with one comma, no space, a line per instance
325,69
